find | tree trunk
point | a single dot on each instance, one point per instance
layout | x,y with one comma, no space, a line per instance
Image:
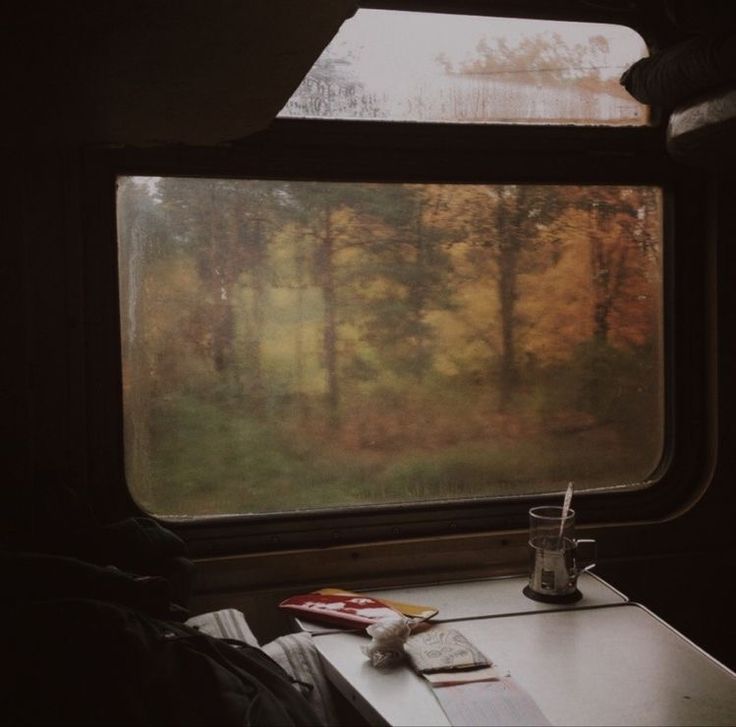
601,279
253,355
222,334
299,393
507,296
600,321
327,275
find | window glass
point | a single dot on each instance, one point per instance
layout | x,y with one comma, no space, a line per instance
297,345
408,66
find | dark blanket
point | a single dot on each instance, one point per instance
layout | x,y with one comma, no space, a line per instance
683,72
84,644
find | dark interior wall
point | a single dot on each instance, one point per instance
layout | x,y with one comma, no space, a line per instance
83,75
684,570
44,342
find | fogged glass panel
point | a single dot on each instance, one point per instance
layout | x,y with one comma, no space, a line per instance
294,345
408,66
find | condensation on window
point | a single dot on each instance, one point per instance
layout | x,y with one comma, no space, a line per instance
428,67
297,345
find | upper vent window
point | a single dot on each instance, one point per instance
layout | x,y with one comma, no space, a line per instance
393,65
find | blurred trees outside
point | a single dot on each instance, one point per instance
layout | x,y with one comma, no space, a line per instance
294,345
540,75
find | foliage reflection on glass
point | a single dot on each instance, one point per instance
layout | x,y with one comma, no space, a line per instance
291,345
433,67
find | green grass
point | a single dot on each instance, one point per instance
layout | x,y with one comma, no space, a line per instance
206,459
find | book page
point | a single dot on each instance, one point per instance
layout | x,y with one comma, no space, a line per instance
501,703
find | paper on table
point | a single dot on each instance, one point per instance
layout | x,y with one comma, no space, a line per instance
443,649
446,678
501,703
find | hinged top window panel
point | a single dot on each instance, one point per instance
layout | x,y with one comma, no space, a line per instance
390,65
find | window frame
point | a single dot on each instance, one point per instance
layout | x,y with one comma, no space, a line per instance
347,151
340,150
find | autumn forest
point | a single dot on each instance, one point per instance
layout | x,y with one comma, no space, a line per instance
291,345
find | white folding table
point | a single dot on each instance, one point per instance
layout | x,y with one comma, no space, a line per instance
602,661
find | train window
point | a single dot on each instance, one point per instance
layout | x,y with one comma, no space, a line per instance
395,65
306,345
